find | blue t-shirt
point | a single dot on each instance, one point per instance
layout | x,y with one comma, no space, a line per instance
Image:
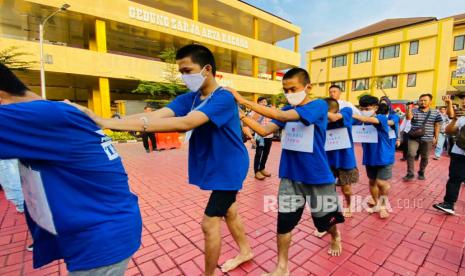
218,159
396,119
306,167
96,218
343,158
381,153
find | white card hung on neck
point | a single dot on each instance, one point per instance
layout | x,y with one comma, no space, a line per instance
364,134
298,137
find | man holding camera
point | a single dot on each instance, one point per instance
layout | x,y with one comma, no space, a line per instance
457,156
424,133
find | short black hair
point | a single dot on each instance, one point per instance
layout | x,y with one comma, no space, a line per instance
368,100
302,74
335,86
199,54
332,103
261,99
426,95
10,83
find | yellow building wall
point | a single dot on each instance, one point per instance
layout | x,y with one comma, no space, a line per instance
361,70
363,44
318,71
432,63
119,11
92,63
388,66
339,49
458,30
423,85
339,73
390,38
424,60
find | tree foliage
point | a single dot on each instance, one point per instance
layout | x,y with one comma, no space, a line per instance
162,92
15,59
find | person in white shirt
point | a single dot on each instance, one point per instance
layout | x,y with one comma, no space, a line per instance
457,159
335,93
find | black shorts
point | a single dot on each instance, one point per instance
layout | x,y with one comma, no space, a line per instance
219,203
379,172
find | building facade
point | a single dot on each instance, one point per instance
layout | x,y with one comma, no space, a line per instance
401,58
97,51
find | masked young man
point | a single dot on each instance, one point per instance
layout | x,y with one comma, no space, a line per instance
377,157
218,159
78,204
304,170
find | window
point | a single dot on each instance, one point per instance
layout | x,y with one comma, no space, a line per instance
387,82
389,52
413,50
341,84
459,42
362,56
412,80
361,84
339,61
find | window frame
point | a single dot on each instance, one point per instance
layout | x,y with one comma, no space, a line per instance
410,47
394,80
366,87
463,42
396,51
415,83
344,59
356,55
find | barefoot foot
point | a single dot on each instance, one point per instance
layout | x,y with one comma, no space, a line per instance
237,261
319,234
383,213
371,202
335,245
347,213
278,272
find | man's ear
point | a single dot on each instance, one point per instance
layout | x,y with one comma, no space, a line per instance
209,69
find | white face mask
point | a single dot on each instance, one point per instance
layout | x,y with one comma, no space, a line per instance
194,81
368,113
296,98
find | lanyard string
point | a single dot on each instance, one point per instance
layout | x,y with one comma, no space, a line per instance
204,101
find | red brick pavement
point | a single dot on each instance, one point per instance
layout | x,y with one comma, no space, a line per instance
416,239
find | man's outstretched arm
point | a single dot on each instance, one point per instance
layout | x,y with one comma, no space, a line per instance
269,112
150,122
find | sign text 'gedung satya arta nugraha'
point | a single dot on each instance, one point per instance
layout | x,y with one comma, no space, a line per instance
186,26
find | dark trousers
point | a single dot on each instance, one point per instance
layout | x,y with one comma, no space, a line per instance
424,147
145,139
261,155
456,177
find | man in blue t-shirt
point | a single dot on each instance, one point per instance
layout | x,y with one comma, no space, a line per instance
78,204
378,158
218,159
304,170
342,161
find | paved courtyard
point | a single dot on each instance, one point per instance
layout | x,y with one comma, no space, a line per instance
415,239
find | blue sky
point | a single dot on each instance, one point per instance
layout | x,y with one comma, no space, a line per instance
323,20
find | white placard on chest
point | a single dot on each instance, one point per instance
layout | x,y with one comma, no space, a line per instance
337,139
36,199
364,134
298,137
